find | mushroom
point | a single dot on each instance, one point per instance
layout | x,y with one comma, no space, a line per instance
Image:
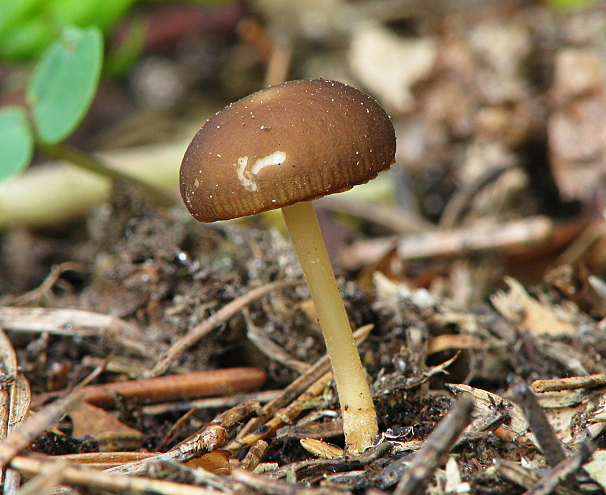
283,147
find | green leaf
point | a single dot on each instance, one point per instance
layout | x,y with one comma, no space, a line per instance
16,141
64,83
29,37
14,12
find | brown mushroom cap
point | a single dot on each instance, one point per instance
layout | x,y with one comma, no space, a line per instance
297,141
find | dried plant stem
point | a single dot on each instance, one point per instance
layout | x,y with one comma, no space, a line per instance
293,390
285,416
76,323
174,387
29,430
564,471
264,484
214,435
548,440
79,476
437,445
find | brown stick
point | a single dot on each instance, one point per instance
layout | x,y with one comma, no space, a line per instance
564,471
436,447
293,390
175,387
29,430
80,476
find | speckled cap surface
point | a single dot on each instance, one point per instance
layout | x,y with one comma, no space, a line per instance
297,141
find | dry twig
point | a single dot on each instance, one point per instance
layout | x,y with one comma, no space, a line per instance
564,471
29,430
76,323
46,285
254,455
79,476
437,445
295,388
285,416
263,484
214,435
224,402
272,350
539,424
174,387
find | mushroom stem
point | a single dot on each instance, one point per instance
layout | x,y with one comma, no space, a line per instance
358,411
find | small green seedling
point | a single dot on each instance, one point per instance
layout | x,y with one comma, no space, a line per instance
64,83
16,141
59,94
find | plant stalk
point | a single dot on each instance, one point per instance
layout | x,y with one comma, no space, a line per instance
91,163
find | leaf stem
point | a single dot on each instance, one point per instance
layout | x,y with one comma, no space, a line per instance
91,163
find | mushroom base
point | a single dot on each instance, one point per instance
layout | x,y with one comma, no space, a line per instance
358,411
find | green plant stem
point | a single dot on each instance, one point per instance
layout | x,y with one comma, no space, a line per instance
89,162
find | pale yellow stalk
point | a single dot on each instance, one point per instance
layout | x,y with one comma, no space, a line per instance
359,416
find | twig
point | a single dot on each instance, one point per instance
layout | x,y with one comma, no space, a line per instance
254,455
272,350
226,312
285,416
98,460
177,425
175,387
225,402
524,477
33,295
79,476
461,199
275,56
15,399
297,387
76,323
547,439
507,238
214,435
504,237
577,249
29,430
394,218
46,480
564,471
263,484
571,383
437,446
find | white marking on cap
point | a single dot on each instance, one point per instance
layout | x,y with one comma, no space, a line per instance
275,158
245,177
246,174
